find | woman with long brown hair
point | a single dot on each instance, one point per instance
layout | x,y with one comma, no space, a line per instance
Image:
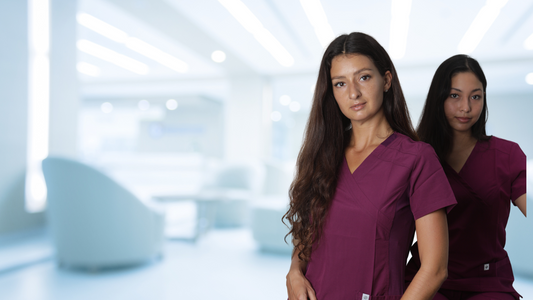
486,174
362,183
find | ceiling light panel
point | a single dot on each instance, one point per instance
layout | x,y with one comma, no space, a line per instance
156,54
113,57
133,43
134,27
399,28
88,69
348,16
253,25
219,23
102,27
480,25
316,15
528,43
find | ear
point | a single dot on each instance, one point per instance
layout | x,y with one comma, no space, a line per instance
387,79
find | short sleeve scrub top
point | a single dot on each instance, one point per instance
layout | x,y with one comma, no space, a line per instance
493,176
371,221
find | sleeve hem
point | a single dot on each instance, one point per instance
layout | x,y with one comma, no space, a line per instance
449,205
519,195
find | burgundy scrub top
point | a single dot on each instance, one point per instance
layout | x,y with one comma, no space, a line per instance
370,224
493,174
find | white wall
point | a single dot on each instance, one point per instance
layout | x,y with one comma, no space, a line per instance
13,117
510,117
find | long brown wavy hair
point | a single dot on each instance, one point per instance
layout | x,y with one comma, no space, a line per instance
326,139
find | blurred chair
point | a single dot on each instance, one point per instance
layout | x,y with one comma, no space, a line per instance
95,222
268,230
268,208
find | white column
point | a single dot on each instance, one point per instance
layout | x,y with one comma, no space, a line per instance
13,117
268,97
244,121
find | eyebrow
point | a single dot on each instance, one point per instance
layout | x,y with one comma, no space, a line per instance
357,72
462,91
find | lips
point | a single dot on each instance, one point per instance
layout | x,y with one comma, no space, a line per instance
463,119
358,106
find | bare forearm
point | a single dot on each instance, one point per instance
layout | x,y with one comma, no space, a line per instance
298,287
296,263
425,284
432,233
521,202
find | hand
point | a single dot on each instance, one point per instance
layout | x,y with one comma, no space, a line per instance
298,287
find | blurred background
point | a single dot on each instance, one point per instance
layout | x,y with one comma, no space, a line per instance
178,124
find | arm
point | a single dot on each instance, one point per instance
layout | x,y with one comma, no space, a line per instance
298,287
521,202
432,235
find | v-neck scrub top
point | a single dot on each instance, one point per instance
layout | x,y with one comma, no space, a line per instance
493,174
370,224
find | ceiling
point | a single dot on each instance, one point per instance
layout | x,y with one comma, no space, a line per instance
192,30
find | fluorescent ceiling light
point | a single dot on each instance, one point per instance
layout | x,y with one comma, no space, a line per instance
113,57
102,27
275,116
285,100
399,28
218,56
171,104
161,57
316,15
88,69
528,43
529,78
250,22
143,105
133,43
294,106
481,24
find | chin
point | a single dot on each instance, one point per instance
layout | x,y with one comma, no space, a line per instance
462,128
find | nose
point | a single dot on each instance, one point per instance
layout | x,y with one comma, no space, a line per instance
354,91
465,105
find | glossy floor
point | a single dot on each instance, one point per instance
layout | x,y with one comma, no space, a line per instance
225,264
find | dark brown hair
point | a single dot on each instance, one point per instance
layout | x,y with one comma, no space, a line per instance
433,127
325,140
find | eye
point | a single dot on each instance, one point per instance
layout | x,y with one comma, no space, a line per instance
365,77
339,84
454,96
476,97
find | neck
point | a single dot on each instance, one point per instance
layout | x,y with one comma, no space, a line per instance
368,132
462,139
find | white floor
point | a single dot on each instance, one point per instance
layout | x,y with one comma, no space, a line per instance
225,264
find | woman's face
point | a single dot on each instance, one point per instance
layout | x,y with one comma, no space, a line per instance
357,86
465,101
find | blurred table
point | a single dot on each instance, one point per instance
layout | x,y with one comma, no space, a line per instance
214,207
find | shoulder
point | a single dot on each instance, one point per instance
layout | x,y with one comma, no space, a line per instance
502,145
409,152
406,145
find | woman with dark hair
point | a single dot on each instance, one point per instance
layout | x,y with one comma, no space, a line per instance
485,173
362,180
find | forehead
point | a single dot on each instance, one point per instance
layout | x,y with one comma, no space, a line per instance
466,81
350,63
